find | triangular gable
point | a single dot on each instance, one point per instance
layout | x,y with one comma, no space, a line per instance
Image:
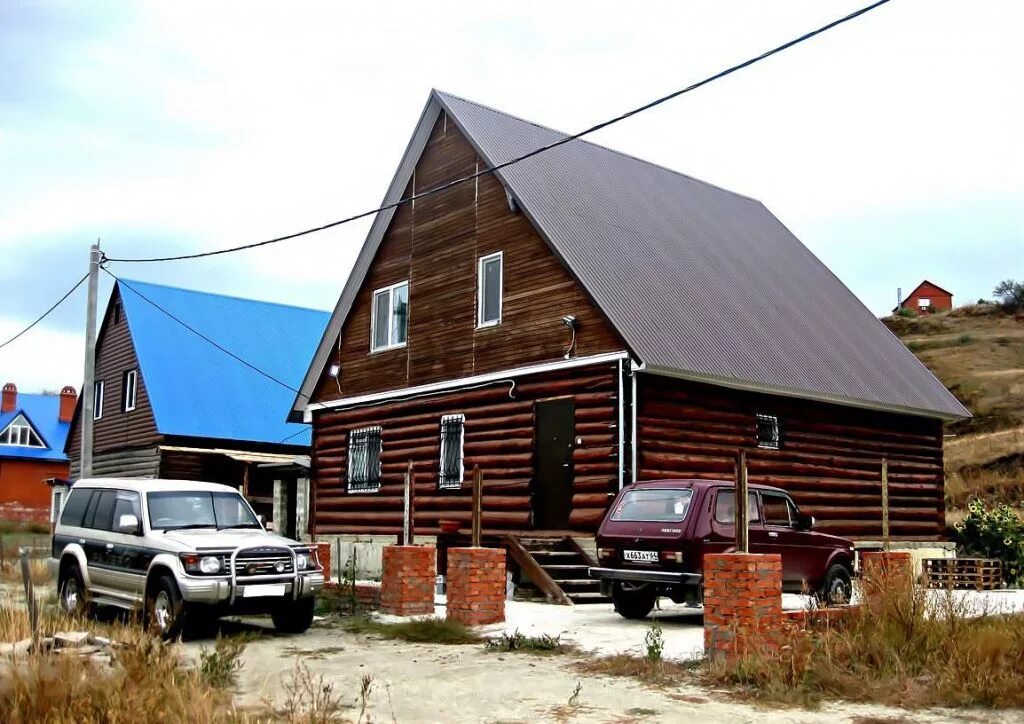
21,418
701,283
932,284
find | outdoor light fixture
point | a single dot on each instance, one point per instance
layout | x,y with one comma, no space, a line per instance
570,321
334,370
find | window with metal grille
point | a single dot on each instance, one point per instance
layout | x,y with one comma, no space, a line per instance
769,433
364,460
451,471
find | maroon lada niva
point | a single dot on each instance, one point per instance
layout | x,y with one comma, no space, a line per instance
654,537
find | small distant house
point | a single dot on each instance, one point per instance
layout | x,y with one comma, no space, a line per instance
33,430
583,319
927,297
173,400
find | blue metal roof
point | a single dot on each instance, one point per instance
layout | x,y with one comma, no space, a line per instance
41,412
197,390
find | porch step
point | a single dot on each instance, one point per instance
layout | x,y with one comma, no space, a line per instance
561,567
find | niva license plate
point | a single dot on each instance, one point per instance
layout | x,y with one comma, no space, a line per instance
648,556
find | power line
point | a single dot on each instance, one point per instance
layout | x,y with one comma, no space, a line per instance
202,336
45,314
518,159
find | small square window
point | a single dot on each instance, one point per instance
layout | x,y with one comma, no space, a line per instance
364,448
390,324
769,434
452,471
489,290
130,385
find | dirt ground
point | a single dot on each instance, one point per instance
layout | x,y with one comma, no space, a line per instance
453,684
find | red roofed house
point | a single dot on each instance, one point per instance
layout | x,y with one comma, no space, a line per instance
927,297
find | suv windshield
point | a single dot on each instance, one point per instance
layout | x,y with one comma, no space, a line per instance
170,510
653,505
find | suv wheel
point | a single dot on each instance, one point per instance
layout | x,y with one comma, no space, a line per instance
838,587
165,609
294,616
633,600
74,599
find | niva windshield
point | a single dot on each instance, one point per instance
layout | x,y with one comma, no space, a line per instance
169,510
663,506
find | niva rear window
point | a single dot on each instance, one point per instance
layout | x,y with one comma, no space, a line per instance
662,506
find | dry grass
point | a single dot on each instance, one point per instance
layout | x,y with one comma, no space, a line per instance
421,630
658,673
989,466
893,649
10,571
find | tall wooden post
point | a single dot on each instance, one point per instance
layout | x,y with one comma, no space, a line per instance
742,513
478,489
408,526
885,502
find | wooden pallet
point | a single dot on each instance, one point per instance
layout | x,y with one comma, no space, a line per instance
978,574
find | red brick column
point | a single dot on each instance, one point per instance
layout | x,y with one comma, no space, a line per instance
742,603
407,583
476,585
882,565
323,554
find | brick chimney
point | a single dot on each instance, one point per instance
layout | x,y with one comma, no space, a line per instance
10,398
68,399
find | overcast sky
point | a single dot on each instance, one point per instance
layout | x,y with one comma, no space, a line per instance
892,147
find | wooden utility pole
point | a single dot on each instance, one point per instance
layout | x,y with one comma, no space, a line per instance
885,502
478,489
89,385
742,513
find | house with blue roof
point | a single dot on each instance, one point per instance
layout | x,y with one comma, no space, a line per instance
33,431
197,386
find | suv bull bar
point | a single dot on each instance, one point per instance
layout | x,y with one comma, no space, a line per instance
641,576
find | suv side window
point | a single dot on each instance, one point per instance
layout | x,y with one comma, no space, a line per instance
127,503
102,511
776,510
725,508
74,509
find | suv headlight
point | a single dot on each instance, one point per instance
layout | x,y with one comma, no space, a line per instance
302,561
195,564
209,564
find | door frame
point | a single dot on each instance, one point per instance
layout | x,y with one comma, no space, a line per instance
536,499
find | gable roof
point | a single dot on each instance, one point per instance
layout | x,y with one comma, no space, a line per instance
197,390
700,282
933,284
41,412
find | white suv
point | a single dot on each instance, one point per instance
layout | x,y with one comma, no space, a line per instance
180,552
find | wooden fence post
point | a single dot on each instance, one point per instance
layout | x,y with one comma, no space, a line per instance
30,597
742,513
407,508
478,487
885,502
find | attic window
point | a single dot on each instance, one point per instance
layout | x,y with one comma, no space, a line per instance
97,400
117,312
451,470
390,324
130,388
488,292
364,447
769,433
924,302
20,433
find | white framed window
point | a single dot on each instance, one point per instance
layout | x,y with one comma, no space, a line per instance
130,390
364,446
924,302
97,400
389,326
489,274
20,433
769,432
452,470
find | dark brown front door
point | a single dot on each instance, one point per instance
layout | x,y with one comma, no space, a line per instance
553,473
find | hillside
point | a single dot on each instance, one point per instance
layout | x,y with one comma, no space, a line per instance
978,353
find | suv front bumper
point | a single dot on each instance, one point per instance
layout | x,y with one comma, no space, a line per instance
196,589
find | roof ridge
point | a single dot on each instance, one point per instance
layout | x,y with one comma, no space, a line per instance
235,297
597,145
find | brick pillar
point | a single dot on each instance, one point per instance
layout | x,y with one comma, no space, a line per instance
323,554
742,603
882,565
408,579
476,585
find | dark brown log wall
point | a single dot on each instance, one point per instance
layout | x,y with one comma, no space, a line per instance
499,437
830,460
435,244
115,354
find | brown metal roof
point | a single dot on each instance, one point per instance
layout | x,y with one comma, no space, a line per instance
701,283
